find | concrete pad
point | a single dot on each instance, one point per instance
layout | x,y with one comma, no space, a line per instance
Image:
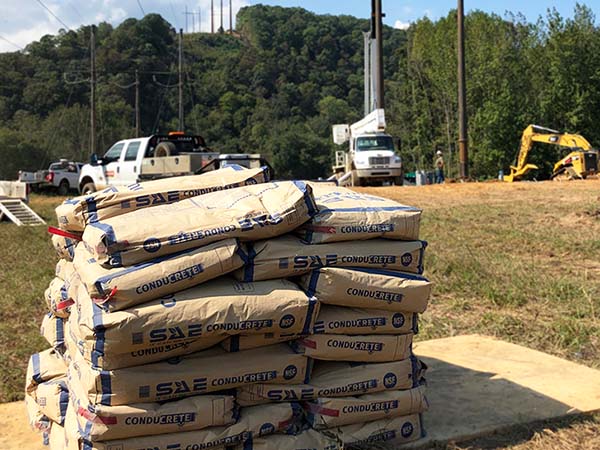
478,385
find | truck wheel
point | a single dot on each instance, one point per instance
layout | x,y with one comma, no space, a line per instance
398,181
164,149
88,188
63,188
355,179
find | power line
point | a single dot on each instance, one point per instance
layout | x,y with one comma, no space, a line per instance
141,7
53,15
11,43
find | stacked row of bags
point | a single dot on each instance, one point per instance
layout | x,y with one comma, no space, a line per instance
226,311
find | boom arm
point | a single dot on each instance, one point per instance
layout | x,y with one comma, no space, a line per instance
535,133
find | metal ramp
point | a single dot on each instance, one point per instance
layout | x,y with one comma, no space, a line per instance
19,213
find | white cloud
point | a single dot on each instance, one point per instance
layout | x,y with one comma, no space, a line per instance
401,25
24,22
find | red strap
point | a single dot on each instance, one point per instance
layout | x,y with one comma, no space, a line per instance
63,233
315,408
110,420
321,229
308,343
100,300
64,304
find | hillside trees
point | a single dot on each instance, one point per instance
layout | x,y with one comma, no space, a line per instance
291,74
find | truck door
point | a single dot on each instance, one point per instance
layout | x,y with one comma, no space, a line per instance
110,161
128,170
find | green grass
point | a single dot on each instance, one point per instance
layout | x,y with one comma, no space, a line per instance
27,262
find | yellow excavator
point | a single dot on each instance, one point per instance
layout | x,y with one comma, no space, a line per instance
580,163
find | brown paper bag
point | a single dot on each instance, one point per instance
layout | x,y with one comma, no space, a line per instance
203,372
339,379
393,431
369,288
333,412
121,288
287,256
256,421
74,214
249,213
346,215
356,321
342,347
178,324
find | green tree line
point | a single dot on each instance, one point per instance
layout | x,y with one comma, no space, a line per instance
278,84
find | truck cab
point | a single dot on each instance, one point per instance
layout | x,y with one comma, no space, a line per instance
132,160
371,156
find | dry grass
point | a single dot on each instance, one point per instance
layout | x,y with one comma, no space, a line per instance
520,262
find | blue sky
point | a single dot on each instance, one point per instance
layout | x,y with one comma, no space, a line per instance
27,20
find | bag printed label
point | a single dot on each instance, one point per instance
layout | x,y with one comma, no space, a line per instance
340,347
355,321
288,256
332,412
249,213
396,431
174,325
52,398
200,373
339,379
368,288
37,420
254,422
74,214
121,288
346,215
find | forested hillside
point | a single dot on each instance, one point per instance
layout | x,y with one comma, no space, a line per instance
288,75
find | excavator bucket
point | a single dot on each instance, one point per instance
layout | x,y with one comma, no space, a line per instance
516,174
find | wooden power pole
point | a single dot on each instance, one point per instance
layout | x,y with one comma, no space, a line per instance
463,138
180,80
92,91
138,125
230,17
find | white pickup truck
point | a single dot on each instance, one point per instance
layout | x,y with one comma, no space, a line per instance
62,176
130,161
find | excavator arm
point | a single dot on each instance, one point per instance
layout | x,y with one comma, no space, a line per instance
535,133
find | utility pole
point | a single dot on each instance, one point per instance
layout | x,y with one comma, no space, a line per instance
199,21
180,80
92,91
193,23
379,55
221,27
212,17
463,139
186,19
367,69
230,18
138,125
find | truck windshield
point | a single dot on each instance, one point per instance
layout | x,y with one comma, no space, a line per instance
365,143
